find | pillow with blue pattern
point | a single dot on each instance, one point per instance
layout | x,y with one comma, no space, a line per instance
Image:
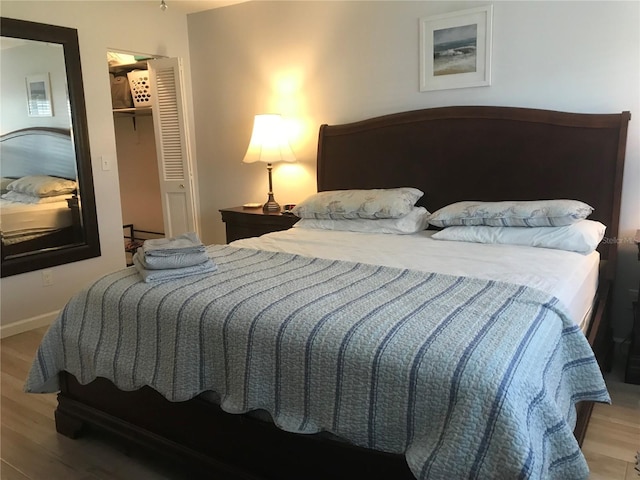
373,203
582,237
415,221
536,213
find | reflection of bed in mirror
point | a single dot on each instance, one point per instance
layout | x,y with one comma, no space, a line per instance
39,206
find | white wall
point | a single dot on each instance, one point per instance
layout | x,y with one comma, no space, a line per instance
138,171
18,62
341,61
102,25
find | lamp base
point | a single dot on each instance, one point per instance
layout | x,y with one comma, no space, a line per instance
271,205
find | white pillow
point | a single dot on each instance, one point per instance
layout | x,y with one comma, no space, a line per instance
414,221
372,204
537,213
42,185
582,237
4,183
30,199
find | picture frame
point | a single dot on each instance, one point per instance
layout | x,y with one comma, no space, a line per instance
455,49
39,95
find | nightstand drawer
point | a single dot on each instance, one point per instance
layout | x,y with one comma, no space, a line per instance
249,222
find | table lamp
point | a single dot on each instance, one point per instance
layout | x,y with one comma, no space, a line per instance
269,144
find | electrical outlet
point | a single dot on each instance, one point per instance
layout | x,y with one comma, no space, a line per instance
633,295
47,278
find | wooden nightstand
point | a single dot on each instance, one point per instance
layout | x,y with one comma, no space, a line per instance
632,373
243,222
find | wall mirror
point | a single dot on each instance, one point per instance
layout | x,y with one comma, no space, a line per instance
47,210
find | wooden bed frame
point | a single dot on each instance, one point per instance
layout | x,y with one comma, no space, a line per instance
452,154
59,239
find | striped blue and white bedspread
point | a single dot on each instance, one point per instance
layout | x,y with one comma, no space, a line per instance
468,378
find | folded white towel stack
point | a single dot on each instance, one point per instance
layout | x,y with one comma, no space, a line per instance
185,243
170,258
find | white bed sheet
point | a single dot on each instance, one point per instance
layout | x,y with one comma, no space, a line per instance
569,276
19,217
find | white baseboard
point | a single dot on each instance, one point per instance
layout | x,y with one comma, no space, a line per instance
28,324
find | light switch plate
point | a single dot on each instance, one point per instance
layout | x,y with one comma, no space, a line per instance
105,162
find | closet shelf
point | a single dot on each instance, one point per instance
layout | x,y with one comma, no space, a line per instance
116,69
132,112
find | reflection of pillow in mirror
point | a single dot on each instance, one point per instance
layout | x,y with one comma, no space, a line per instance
4,182
31,199
42,185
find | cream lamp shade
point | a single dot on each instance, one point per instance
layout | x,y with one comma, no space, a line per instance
268,141
269,144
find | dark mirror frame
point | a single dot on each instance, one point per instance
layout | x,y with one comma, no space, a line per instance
90,248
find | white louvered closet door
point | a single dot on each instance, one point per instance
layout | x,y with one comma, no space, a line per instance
174,162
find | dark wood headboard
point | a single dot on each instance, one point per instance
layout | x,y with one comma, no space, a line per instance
484,153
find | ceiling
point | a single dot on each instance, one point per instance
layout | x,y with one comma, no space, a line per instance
182,6
193,6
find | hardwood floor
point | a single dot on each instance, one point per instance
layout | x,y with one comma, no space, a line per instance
30,448
613,436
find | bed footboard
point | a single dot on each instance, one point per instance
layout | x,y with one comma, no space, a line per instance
207,440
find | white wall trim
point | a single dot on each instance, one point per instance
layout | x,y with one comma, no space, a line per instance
28,324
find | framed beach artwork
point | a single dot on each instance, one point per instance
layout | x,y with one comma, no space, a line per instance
455,49
39,95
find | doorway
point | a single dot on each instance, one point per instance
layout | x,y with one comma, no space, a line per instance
139,178
162,110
